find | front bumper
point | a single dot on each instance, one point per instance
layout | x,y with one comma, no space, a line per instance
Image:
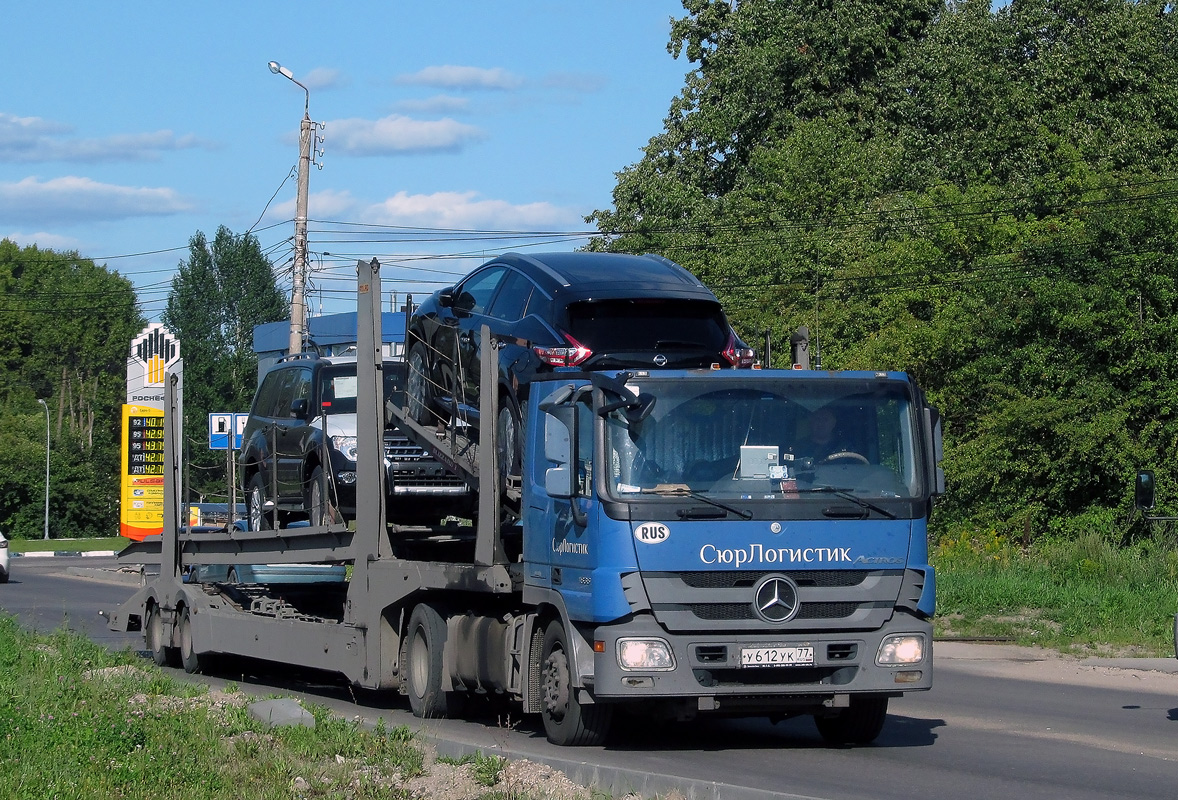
708,667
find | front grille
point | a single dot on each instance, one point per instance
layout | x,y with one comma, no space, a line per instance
732,580
401,449
408,477
744,611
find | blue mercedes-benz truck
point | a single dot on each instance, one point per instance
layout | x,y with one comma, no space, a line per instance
678,543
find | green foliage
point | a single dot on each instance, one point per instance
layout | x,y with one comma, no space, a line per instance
77,721
218,295
1085,594
65,328
981,197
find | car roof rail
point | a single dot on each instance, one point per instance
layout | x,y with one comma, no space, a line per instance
298,357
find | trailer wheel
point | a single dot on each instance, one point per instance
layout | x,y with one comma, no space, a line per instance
154,634
860,723
188,657
426,639
256,504
566,720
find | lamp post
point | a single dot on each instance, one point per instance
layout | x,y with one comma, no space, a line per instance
45,406
298,306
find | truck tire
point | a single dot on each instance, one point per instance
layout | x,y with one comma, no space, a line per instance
418,396
153,633
188,657
255,503
566,721
860,723
425,642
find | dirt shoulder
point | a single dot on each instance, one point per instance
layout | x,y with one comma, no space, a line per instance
1158,675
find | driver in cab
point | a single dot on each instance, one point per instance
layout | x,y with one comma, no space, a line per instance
819,440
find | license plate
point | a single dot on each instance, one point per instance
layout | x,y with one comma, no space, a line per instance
776,656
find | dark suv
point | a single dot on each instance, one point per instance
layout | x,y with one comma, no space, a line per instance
301,438
550,310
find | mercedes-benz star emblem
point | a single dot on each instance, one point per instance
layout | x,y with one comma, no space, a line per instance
660,360
775,599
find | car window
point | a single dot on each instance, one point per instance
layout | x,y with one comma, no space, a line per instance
296,384
512,299
266,403
474,294
648,324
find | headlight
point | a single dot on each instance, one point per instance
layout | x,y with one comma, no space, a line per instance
905,648
346,445
645,654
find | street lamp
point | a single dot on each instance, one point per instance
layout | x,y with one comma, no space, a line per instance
298,306
45,406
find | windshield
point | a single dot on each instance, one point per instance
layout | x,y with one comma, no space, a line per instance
338,385
765,439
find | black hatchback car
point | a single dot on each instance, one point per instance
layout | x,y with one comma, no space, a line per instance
551,310
298,456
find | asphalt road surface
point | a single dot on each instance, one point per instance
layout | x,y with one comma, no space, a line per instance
1000,722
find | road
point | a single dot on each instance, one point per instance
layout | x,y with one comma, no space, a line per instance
1000,722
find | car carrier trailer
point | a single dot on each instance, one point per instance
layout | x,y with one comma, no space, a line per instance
669,551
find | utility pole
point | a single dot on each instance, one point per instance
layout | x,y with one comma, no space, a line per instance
298,302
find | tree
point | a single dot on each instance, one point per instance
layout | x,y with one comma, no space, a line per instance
982,197
65,328
218,295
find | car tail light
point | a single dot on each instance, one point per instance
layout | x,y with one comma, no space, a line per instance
739,357
569,356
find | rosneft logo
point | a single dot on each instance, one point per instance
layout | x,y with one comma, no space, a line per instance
775,599
157,349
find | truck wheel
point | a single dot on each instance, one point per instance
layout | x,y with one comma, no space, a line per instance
188,657
255,501
154,635
426,639
861,723
320,511
567,721
417,392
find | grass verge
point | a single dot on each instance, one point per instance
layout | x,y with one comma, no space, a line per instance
115,543
78,721
1084,596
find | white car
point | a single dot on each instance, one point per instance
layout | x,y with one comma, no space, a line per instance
3,559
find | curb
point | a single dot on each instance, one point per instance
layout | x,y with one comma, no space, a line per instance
70,553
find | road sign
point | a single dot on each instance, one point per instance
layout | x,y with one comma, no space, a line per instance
238,429
220,430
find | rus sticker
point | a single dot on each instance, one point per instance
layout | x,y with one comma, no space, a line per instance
652,533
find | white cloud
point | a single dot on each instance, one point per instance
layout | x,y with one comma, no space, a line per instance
396,134
328,204
465,210
45,241
581,82
323,78
73,199
454,77
438,104
32,139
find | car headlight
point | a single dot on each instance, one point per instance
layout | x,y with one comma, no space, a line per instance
346,445
645,654
904,648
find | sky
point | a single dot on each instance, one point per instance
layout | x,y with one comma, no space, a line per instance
452,131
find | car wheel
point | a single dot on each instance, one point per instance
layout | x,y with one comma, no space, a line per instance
255,501
320,511
566,720
232,576
426,640
509,443
418,396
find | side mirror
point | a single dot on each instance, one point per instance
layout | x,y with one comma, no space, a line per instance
298,409
1144,491
558,482
446,297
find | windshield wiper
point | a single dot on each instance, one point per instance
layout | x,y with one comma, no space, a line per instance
679,490
846,494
